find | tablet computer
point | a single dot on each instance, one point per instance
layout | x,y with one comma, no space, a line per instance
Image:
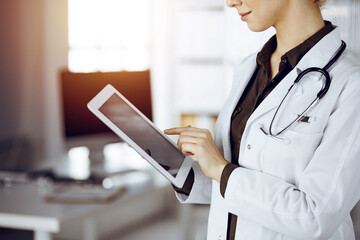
141,134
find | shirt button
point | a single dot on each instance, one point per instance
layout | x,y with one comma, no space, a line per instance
249,146
219,237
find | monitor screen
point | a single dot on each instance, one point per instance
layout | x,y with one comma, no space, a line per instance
77,89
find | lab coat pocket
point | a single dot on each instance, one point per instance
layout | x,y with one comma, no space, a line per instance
288,159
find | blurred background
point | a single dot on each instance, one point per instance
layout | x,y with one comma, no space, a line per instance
174,58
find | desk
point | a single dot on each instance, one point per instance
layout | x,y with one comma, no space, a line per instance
22,207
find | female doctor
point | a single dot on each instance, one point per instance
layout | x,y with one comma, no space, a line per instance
274,170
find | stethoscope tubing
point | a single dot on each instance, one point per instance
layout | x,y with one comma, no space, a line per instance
321,93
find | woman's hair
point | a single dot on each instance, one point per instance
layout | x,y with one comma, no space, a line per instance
320,2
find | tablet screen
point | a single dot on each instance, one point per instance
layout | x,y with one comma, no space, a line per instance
143,134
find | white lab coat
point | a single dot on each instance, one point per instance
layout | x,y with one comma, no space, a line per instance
303,188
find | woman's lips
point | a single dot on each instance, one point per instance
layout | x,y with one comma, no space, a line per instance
244,15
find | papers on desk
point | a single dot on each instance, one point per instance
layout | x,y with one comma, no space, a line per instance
74,194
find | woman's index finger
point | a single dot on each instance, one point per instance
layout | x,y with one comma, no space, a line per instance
175,131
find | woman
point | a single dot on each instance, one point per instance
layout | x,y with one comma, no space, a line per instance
297,184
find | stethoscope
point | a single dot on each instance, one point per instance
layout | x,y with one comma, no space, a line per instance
321,93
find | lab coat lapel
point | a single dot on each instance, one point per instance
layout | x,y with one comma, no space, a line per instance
242,76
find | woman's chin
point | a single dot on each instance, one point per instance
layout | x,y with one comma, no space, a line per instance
256,27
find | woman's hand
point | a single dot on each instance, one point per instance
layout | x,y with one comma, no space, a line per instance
200,144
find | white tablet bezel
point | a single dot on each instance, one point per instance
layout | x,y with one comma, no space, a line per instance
101,98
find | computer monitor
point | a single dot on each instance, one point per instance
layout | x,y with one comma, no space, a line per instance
80,126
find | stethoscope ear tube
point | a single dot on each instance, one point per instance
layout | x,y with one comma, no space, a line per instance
337,56
327,84
324,71
326,68
327,81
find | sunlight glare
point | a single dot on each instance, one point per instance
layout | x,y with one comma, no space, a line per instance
79,162
108,35
122,156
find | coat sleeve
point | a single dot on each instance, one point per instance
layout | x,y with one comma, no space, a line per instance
200,191
328,189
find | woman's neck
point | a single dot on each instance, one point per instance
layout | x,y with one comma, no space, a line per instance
301,22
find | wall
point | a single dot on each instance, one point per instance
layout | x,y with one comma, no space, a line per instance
21,81
55,58
345,14
33,46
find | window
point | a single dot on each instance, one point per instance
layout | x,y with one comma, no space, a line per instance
108,35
